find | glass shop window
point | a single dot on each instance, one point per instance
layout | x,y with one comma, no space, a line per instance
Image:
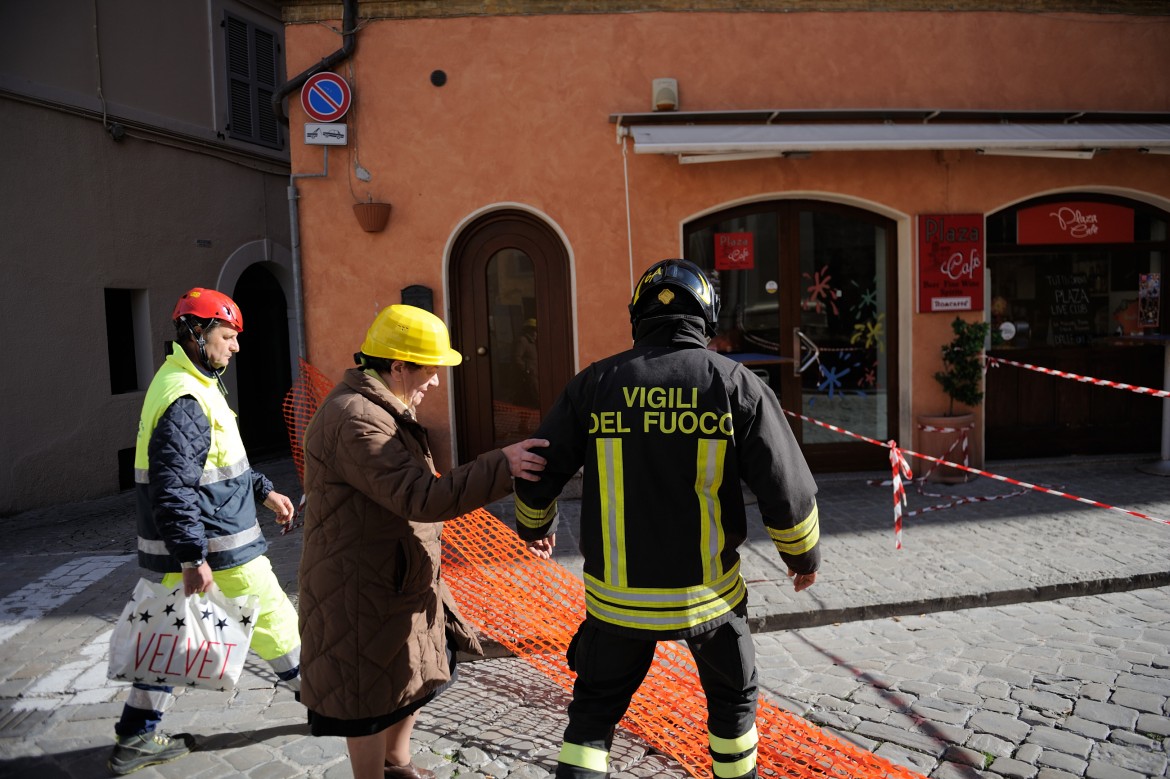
1069,295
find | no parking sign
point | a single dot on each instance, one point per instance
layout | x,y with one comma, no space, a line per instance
326,97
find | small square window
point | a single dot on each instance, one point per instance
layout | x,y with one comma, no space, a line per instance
126,469
127,339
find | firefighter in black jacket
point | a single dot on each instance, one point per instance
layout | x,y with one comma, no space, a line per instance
665,432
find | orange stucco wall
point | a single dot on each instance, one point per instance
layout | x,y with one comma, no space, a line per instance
523,119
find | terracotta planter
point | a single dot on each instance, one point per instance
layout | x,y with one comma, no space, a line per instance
372,216
942,437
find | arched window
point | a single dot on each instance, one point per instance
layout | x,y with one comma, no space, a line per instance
1075,285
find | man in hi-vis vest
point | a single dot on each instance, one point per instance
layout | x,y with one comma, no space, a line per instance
665,432
197,520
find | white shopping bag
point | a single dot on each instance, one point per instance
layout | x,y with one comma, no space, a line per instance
165,638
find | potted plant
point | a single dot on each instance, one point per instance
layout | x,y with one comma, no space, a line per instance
962,379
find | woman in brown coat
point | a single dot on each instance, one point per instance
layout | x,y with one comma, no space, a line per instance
378,627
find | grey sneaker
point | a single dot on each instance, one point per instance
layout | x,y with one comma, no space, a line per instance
134,752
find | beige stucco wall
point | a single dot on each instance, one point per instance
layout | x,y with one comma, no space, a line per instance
524,119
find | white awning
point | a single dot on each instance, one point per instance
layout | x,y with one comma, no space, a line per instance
711,142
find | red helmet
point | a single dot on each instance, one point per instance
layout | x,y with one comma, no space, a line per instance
209,304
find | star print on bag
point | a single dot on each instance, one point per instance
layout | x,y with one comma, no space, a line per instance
204,647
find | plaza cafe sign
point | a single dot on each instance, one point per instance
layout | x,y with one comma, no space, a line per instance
951,247
1074,222
950,262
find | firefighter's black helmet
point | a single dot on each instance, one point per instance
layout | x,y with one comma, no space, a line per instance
675,287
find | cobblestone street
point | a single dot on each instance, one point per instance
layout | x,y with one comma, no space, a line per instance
1022,638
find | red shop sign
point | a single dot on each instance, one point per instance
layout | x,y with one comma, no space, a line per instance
950,262
1074,222
735,251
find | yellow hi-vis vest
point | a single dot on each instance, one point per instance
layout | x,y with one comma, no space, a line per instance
230,532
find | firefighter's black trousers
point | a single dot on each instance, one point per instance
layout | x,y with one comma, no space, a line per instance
610,667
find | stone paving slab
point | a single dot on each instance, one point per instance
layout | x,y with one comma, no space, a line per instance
976,708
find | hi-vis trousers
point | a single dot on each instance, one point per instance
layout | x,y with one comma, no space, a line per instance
611,667
277,640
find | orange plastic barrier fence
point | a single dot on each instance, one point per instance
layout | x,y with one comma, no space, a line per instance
300,403
515,422
532,607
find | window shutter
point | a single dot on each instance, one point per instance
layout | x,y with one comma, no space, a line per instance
252,71
266,71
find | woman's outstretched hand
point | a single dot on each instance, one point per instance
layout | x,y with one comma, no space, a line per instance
522,461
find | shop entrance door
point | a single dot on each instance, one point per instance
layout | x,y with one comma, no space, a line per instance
808,302
511,314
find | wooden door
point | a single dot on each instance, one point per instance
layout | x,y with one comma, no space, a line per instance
512,320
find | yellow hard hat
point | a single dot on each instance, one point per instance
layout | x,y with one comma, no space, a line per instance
401,332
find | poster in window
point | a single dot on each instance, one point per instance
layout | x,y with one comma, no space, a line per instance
950,262
1064,299
1149,299
734,251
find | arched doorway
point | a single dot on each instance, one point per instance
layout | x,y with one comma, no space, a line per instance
1074,284
262,366
512,319
809,303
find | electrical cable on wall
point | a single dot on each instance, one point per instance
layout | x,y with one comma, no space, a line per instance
626,177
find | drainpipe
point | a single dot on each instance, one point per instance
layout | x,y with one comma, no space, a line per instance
348,40
294,226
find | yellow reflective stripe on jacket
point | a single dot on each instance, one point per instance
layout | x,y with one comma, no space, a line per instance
662,597
589,758
223,473
610,478
664,609
801,538
214,543
533,518
210,475
708,480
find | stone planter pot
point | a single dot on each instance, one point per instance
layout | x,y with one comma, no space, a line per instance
942,437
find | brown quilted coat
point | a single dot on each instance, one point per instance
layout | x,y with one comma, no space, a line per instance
373,609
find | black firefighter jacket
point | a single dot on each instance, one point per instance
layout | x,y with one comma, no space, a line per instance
666,431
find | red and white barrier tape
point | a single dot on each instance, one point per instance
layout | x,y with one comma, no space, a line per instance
959,500
899,467
962,439
993,361
954,500
933,429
